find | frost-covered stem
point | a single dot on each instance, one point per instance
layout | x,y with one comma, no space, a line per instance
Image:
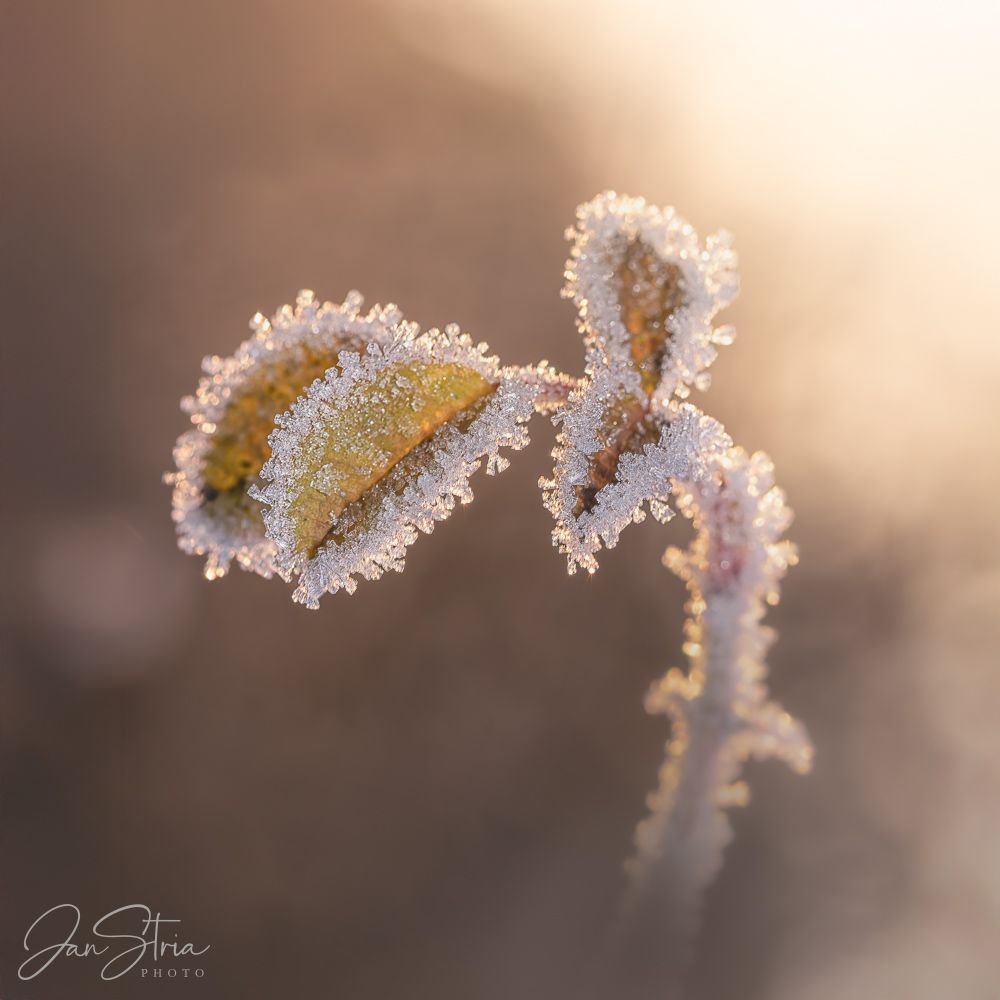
719,710
680,845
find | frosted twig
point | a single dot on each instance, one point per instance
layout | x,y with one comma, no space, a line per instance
719,710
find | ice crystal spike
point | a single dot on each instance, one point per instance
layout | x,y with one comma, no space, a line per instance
646,292
383,447
233,412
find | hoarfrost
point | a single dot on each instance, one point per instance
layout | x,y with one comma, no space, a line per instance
647,293
687,440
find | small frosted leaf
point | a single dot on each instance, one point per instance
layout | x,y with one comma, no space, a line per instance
233,412
615,453
384,448
647,292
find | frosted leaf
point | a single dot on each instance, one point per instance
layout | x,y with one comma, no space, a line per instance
233,412
647,291
384,447
614,454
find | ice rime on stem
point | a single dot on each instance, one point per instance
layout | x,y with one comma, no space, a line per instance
719,709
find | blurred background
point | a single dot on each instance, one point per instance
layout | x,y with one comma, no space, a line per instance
427,790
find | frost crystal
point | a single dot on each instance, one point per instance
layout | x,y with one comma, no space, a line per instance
719,710
346,499
646,292
233,412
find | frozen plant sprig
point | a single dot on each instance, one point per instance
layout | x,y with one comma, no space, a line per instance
330,440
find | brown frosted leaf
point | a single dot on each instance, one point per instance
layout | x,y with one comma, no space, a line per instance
646,291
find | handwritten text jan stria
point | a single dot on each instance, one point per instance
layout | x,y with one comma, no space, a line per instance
121,960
